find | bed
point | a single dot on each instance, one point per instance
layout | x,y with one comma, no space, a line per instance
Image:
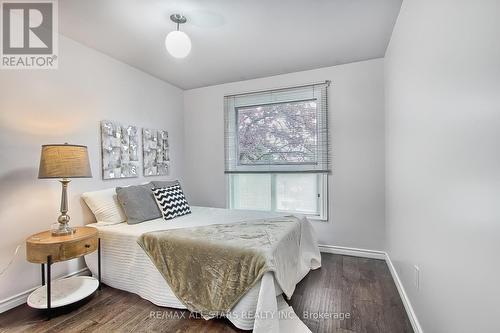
126,266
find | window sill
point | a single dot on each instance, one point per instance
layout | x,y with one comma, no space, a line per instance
317,218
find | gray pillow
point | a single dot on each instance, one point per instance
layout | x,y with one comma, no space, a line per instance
164,183
138,203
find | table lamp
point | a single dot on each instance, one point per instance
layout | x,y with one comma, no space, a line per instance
64,161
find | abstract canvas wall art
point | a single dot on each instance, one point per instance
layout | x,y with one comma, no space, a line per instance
156,152
120,155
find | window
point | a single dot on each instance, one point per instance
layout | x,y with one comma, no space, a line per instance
303,193
277,133
276,149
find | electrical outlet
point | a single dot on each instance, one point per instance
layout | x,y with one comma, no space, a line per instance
417,277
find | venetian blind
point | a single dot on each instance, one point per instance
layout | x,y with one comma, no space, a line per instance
281,130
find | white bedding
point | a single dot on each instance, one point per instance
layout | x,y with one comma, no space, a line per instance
126,266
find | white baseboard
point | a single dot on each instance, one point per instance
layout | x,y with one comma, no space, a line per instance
363,253
404,297
13,301
351,251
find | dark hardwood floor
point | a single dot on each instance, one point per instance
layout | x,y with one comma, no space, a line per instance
362,287
358,287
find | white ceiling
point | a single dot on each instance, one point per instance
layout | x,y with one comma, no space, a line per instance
232,39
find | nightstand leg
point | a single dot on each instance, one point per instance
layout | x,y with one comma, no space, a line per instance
99,261
43,274
49,262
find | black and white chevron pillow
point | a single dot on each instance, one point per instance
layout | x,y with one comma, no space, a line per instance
171,201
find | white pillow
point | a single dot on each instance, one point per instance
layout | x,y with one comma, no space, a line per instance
104,204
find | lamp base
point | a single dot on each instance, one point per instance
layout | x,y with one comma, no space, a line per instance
63,230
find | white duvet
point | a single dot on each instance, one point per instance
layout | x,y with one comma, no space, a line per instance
126,266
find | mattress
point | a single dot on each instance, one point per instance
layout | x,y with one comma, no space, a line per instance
126,266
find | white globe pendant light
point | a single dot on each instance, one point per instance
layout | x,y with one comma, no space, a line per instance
178,44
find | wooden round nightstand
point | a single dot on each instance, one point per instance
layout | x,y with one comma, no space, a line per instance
45,249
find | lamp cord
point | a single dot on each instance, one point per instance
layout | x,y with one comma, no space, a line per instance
11,260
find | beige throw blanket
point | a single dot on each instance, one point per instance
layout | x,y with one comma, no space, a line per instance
210,268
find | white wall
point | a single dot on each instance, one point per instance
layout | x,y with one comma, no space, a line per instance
356,187
443,160
66,105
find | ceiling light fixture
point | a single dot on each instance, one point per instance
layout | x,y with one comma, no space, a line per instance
177,42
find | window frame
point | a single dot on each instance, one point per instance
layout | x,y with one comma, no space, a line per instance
322,179
233,167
